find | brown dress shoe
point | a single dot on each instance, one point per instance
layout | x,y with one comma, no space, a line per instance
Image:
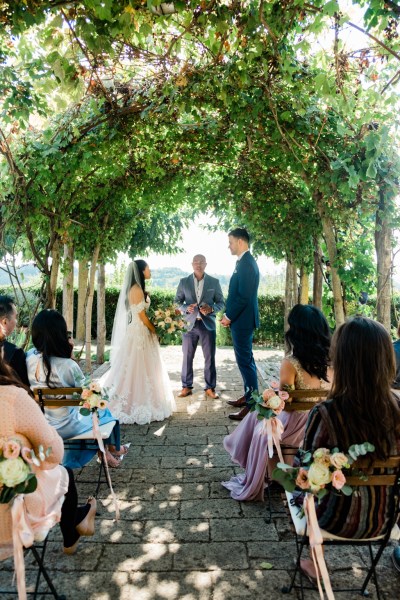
185,392
211,394
240,415
238,403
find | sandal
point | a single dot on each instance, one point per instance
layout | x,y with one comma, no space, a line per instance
112,461
121,452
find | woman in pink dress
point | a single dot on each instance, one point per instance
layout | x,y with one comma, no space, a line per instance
306,367
55,498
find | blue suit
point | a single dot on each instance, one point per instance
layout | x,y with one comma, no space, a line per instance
242,310
200,327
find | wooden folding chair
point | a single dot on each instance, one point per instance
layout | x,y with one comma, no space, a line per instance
377,473
38,551
300,402
58,397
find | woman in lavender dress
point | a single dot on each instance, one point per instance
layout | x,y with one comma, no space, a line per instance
306,367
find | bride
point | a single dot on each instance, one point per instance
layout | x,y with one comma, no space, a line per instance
137,383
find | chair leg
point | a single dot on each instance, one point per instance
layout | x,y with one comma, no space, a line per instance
287,589
42,570
372,570
268,517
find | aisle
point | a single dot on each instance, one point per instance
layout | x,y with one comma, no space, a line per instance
180,536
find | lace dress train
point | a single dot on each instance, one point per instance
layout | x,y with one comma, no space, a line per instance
138,384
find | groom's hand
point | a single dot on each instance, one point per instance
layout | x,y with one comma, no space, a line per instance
190,308
225,322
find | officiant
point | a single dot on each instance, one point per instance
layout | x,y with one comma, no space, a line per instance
199,298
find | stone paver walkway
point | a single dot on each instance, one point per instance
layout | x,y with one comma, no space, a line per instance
180,536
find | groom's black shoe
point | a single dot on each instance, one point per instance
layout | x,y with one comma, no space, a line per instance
185,392
240,415
239,403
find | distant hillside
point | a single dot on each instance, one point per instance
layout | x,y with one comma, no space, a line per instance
26,274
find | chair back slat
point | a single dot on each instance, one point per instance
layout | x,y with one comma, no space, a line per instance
45,397
299,399
371,471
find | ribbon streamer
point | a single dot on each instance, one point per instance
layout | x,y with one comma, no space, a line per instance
316,541
22,534
274,428
97,435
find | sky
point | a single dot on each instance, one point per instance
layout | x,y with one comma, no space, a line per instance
214,246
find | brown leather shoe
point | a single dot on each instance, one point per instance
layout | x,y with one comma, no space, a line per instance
210,392
238,403
185,392
240,415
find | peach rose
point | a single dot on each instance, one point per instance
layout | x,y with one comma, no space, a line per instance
283,395
86,394
339,460
323,456
11,449
338,479
168,319
267,394
302,479
275,385
26,454
276,404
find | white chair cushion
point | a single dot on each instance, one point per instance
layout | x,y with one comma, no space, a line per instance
299,522
105,431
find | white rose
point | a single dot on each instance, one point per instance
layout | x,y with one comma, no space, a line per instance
318,475
95,387
93,400
13,471
274,402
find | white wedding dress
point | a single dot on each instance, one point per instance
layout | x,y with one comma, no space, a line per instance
137,383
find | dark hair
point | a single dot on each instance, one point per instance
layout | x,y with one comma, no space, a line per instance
240,233
50,337
309,339
9,377
6,306
364,368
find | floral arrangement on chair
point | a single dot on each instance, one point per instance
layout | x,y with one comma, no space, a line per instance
169,324
270,403
16,474
321,471
92,398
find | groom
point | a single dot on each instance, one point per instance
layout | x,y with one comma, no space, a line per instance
242,315
199,298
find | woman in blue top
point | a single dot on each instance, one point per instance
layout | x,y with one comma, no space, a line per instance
50,365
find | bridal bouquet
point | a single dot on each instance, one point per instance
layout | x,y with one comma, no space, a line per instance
321,471
92,399
16,474
169,324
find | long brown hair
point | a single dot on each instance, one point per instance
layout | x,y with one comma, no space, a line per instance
364,368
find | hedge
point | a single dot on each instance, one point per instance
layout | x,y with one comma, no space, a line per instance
270,332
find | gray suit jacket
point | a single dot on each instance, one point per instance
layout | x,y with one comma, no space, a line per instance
212,295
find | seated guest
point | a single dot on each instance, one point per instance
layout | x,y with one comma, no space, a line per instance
50,365
306,367
13,355
55,498
361,408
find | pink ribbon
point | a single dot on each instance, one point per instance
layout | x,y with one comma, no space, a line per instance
316,541
22,534
97,435
274,428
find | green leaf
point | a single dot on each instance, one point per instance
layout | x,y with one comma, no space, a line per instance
371,171
347,490
266,565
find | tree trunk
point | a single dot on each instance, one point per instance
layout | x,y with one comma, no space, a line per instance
101,312
52,282
383,248
68,287
89,308
304,286
317,277
82,290
330,239
290,288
